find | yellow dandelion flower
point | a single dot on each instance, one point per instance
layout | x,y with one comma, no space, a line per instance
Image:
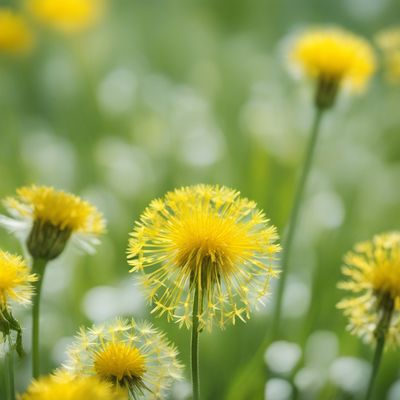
333,57
207,240
130,355
66,15
47,218
373,272
389,42
68,388
15,280
15,35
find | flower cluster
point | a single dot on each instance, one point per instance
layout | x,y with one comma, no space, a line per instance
208,242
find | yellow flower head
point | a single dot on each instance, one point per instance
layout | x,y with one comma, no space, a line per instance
206,240
389,42
373,272
15,35
130,355
15,280
333,57
50,217
64,387
66,15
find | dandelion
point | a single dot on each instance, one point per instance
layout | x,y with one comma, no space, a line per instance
15,34
206,255
46,219
333,58
16,287
132,356
66,15
65,387
389,42
373,278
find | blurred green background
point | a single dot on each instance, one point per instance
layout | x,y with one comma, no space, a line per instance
161,94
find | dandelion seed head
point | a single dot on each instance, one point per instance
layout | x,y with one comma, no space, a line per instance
206,238
133,356
373,274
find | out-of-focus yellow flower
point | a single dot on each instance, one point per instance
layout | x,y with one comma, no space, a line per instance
64,387
66,15
15,34
389,42
15,280
373,269
130,355
207,240
47,218
333,57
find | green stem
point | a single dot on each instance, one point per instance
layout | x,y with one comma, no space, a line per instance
195,347
380,344
380,335
10,359
293,221
38,268
249,375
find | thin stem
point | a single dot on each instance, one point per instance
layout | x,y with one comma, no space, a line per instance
10,359
293,221
380,344
381,330
195,347
249,374
38,268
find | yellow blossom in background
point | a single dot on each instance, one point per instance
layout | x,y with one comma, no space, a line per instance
130,355
389,42
47,218
66,15
64,387
333,57
15,34
15,280
207,240
373,272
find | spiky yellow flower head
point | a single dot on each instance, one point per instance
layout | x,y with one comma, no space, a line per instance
15,285
48,218
373,272
66,15
15,35
207,240
333,57
64,387
389,42
15,280
130,355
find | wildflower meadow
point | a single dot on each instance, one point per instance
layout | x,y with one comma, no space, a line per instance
199,200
